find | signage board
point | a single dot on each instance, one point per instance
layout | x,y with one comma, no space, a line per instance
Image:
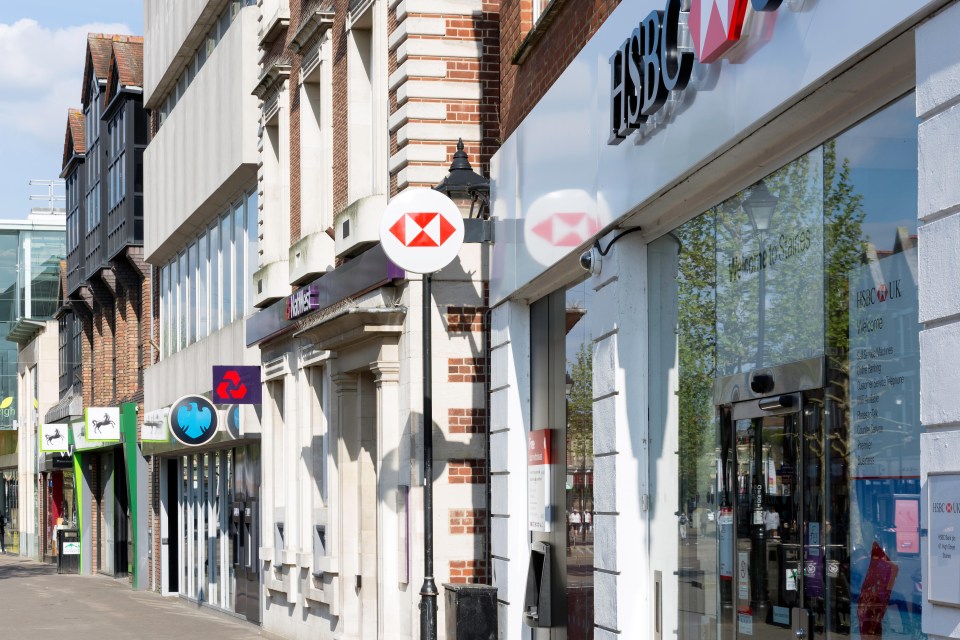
70,549
884,360
303,301
232,421
943,503
237,385
421,230
54,437
102,424
62,462
539,480
193,420
155,426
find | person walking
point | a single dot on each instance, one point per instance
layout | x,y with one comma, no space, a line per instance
683,526
3,534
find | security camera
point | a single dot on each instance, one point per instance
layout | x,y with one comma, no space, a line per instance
590,261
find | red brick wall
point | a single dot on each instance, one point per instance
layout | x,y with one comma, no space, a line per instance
468,572
466,471
571,24
468,521
466,369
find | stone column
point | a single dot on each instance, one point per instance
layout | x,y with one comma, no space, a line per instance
938,207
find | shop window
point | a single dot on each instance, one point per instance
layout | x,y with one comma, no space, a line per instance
562,416
784,359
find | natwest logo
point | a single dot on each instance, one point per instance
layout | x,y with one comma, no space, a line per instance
236,385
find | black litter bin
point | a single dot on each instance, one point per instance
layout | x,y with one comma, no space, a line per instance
471,611
68,551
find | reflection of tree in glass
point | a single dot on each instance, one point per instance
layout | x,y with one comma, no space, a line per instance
696,280
791,259
580,418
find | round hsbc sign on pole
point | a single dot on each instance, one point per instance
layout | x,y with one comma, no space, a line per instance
421,230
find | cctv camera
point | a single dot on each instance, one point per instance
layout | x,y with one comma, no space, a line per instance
590,261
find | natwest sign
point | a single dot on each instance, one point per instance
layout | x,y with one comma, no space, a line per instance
303,300
652,62
237,385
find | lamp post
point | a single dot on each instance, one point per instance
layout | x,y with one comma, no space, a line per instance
461,183
760,206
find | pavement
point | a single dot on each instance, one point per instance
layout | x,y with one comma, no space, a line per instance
36,603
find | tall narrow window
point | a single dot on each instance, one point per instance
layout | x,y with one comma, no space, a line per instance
215,305
239,253
202,301
226,269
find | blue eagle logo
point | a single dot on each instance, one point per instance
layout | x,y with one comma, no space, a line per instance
194,421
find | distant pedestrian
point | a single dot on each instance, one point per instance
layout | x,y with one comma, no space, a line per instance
3,534
683,526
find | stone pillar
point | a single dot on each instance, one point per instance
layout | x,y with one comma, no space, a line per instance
345,491
394,618
938,93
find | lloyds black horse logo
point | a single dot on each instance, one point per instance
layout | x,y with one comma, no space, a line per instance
50,437
99,424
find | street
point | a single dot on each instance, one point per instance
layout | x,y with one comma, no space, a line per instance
35,602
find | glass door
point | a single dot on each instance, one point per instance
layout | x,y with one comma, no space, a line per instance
774,522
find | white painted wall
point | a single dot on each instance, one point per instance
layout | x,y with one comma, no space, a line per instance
39,358
206,150
938,90
172,31
190,370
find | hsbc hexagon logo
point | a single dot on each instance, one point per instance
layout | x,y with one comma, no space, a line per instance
715,26
421,230
559,222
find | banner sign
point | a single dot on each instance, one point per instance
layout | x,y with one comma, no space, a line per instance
539,480
102,424
53,437
944,504
155,426
237,385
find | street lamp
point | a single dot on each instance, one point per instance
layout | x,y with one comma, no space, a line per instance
461,183
759,206
464,183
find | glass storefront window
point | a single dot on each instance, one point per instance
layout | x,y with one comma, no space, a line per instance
785,376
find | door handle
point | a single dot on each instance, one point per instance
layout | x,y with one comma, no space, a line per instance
801,633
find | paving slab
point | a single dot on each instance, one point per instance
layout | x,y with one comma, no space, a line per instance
37,603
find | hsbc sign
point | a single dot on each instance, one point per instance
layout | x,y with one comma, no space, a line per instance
421,230
655,60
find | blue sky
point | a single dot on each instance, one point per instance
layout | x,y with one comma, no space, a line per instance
42,44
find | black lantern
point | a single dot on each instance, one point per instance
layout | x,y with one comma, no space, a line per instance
760,206
464,183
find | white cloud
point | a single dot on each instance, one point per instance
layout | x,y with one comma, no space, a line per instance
41,76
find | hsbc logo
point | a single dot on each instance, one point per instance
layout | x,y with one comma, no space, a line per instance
567,229
945,507
654,60
425,229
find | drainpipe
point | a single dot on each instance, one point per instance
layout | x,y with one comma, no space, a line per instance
488,547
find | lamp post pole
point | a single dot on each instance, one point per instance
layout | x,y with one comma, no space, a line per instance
428,592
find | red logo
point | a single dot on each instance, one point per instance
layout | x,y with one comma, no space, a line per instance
715,26
231,387
567,229
949,508
426,229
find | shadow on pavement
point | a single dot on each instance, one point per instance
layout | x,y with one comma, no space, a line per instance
11,568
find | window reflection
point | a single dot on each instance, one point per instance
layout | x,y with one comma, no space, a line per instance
579,464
